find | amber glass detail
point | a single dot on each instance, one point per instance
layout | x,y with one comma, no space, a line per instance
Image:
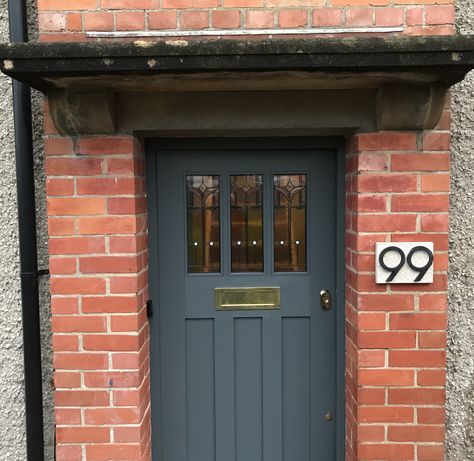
289,215
203,223
246,210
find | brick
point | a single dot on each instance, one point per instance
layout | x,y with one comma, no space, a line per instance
67,379
68,453
128,244
370,203
126,205
82,434
390,302
386,378
431,415
371,433
359,2
371,321
385,451
112,416
111,379
115,452
67,343
244,3
126,165
325,17
127,434
61,226
420,162
131,284
435,223
109,304
75,206
78,323
98,22
108,264
358,17
126,398
386,17
431,378
64,305
108,225
367,162
436,302
364,242
431,453
73,285
385,141
293,18
159,20
81,398
418,433
74,22
432,339
66,5
386,183
259,19
76,245
385,414
67,416
80,361
62,266
440,283
194,19
440,240
420,202
414,16
418,321
104,145
386,223
130,20
130,323
73,167
440,14
56,186
435,182
58,146
110,342
422,358
387,339
370,358
371,396
130,4
108,186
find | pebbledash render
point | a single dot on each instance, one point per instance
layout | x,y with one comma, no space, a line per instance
397,183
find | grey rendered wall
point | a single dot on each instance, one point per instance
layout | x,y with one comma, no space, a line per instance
460,386
12,430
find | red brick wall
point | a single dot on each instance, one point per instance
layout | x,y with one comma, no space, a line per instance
397,190
98,264
68,20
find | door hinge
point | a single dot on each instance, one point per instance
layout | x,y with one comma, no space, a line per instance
149,309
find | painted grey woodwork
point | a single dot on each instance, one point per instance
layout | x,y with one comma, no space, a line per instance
241,385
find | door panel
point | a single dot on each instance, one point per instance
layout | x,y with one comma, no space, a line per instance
243,385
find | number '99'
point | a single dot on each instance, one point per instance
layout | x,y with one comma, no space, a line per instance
406,259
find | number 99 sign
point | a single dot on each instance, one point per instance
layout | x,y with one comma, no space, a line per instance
406,262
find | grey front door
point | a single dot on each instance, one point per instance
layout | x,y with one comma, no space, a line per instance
243,378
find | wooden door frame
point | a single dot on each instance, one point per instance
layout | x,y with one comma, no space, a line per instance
338,144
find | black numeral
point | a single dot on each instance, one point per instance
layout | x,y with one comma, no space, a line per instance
421,270
393,270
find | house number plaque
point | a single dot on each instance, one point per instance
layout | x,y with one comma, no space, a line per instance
406,262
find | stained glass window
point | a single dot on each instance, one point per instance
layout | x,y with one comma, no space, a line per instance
203,223
289,214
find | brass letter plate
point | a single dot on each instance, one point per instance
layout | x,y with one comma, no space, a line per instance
229,299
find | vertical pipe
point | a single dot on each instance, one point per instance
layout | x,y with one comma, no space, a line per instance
28,246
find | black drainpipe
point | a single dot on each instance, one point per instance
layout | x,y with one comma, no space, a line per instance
28,249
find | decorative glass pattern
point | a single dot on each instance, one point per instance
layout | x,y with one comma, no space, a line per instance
246,208
203,223
289,215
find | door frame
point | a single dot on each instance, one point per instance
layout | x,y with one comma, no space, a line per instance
338,144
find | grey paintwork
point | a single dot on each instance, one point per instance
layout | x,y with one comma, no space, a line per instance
236,384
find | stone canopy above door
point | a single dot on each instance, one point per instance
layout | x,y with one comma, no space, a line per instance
303,86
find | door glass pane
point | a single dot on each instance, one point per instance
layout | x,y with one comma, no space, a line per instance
203,222
289,215
246,208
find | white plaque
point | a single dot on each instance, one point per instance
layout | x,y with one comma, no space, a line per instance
404,262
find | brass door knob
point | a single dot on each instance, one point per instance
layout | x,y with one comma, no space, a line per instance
325,299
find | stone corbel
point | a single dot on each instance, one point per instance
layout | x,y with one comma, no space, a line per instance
410,107
78,113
